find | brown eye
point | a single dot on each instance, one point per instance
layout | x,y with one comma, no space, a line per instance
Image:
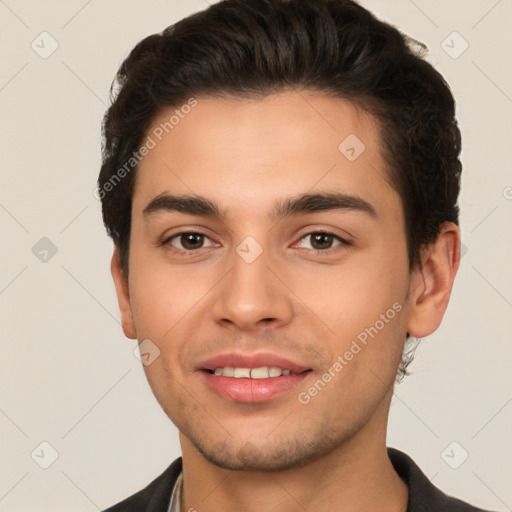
189,241
320,241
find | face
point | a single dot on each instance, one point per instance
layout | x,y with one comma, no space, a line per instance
268,266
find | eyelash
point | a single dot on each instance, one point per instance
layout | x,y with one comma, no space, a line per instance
343,242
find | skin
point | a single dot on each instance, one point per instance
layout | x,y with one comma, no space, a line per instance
296,300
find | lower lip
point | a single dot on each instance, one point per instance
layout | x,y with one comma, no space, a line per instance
252,390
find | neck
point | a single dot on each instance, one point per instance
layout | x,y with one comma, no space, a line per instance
357,475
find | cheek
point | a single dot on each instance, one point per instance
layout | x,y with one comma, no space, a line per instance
169,304
353,296
162,295
362,303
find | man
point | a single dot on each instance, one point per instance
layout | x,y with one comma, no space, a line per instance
280,179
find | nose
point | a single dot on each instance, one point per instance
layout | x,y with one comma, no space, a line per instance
253,296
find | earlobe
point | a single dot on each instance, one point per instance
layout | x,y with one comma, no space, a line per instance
432,284
123,296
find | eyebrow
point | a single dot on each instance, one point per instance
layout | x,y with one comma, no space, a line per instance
294,206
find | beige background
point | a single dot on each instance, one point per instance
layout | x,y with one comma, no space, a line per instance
69,377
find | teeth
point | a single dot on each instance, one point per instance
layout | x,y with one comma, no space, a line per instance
226,372
260,373
242,372
263,372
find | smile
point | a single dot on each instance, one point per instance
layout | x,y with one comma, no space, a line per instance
263,372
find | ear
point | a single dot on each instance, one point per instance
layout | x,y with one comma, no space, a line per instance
431,285
123,296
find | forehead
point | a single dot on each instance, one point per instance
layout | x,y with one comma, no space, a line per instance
250,152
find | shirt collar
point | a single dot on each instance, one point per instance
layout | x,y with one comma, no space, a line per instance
175,503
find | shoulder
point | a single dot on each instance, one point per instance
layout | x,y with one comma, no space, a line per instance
423,495
155,497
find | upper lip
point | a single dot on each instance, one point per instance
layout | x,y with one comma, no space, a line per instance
256,360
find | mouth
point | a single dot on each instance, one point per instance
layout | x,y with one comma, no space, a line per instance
262,372
252,378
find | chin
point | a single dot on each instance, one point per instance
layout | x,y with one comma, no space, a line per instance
266,455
